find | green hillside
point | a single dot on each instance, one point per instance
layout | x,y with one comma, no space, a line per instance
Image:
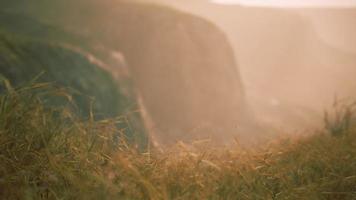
30,45
93,89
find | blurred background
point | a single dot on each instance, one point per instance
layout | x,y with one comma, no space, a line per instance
295,57
191,69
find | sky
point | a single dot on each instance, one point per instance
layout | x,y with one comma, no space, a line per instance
290,3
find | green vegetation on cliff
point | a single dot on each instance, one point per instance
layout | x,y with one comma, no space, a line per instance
21,60
93,89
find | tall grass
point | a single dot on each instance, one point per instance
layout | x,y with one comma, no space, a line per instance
341,119
49,153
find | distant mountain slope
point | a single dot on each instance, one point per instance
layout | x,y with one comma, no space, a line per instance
335,26
287,57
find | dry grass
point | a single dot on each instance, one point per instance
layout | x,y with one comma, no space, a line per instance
47,153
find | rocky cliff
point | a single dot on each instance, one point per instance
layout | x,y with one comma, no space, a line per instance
291,60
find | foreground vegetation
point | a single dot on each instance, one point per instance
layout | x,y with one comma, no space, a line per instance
49,153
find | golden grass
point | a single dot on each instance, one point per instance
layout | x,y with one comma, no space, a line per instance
47,153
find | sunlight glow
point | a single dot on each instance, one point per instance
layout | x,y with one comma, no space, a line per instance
290,3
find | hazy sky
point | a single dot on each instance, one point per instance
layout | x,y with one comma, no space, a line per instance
289,3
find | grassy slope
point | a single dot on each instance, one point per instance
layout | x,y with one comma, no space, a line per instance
46,152
31,46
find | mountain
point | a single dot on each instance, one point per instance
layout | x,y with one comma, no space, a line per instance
181,65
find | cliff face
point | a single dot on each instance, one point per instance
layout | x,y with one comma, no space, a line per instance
291,60
182,66
185,70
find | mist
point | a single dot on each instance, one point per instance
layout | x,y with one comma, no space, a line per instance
295,60
208,70
291,3
211,69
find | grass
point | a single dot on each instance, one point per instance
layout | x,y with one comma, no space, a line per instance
49,153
